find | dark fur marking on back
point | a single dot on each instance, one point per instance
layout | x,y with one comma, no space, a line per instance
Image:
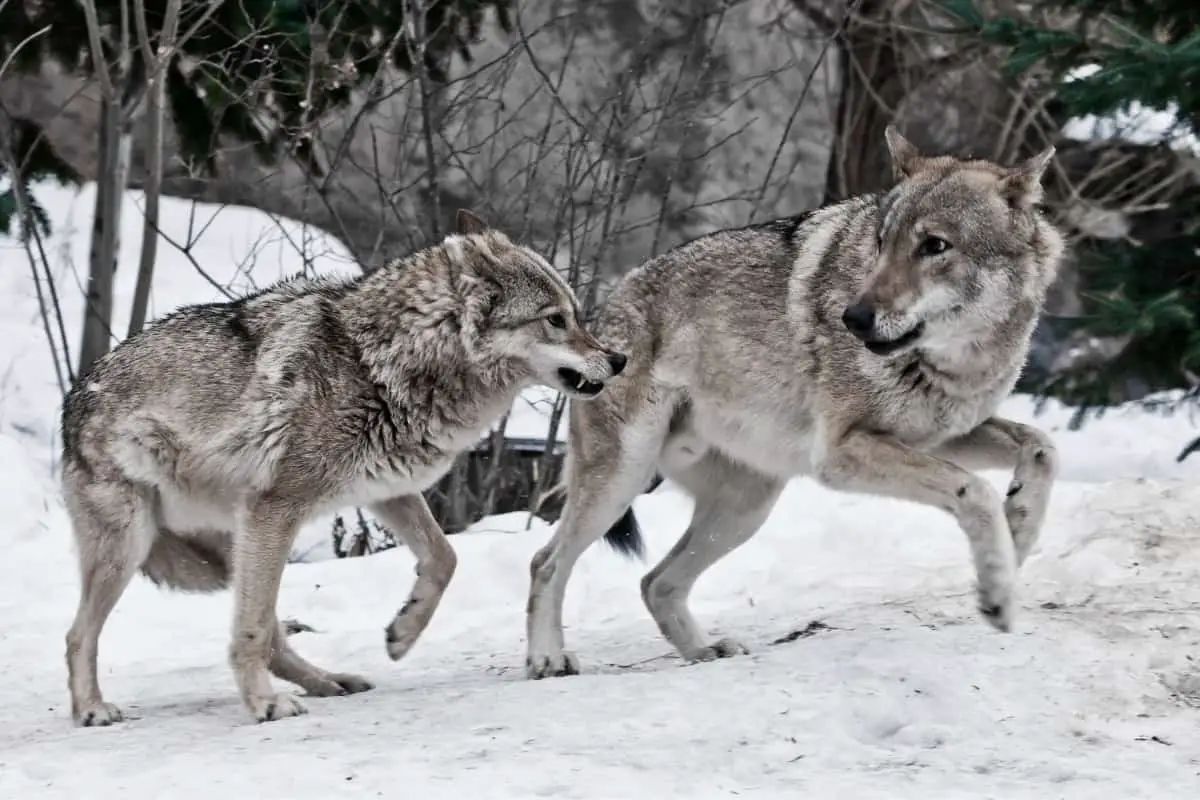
785,227
238,329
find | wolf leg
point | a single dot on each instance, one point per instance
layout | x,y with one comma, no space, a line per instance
605,475
1003,444
870,463
114,528
410,519
259,555
732,502
290,666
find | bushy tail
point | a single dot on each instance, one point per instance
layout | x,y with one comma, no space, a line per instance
189,564
625,536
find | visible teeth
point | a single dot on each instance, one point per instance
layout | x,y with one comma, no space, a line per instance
582,382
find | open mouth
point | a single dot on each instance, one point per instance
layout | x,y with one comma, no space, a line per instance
882,347
574,381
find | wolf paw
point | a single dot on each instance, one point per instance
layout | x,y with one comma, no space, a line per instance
351,683
400,635
552,666
98,715
997,609
280,706
722,648
337,684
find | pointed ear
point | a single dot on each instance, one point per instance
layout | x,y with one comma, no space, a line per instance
905,156
1022,187
470,223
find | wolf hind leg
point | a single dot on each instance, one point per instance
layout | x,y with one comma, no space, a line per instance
114,529
286,664
732,502
605,474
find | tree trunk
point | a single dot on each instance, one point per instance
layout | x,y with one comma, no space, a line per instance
115,151
156,100
873,86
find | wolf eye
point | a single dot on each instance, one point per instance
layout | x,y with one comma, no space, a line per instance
933,246
556,321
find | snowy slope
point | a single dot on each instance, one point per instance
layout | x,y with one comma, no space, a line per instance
904,693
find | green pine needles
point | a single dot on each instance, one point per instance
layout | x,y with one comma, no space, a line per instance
1106,58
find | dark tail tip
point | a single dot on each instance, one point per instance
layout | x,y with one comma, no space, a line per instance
626,537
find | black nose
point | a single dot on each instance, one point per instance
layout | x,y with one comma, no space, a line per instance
617,361
860,319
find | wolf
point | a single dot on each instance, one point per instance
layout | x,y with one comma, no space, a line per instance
195,449
865,344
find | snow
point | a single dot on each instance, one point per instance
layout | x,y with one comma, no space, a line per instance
896,690
1135,123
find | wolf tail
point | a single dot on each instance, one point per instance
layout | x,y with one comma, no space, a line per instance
625,535
187,564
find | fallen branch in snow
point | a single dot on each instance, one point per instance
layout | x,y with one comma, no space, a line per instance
811,629
1187,451
644,661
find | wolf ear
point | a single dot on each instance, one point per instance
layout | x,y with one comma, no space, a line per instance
905,155
469,222
1022,186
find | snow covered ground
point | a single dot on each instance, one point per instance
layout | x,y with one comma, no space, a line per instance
871,675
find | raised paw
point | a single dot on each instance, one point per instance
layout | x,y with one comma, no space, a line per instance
338,684
279,706
98,715
997,609
551,666
722,648
401,634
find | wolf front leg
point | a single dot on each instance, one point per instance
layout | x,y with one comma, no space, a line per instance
871,463
259,555
1000,443
410,519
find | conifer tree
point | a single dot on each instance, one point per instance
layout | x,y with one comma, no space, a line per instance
1109,57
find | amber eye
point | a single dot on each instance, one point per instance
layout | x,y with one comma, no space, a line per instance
556,321
933,246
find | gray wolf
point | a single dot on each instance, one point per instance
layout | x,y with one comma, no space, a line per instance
866,344
195,449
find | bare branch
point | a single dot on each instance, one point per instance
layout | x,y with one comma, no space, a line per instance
156,100
95,43
19,47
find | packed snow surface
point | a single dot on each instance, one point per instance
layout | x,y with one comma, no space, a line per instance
870,676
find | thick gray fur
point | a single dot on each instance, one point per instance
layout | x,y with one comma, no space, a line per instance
866,344
195,449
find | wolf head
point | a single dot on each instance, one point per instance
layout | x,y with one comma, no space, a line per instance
534,317
959,244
